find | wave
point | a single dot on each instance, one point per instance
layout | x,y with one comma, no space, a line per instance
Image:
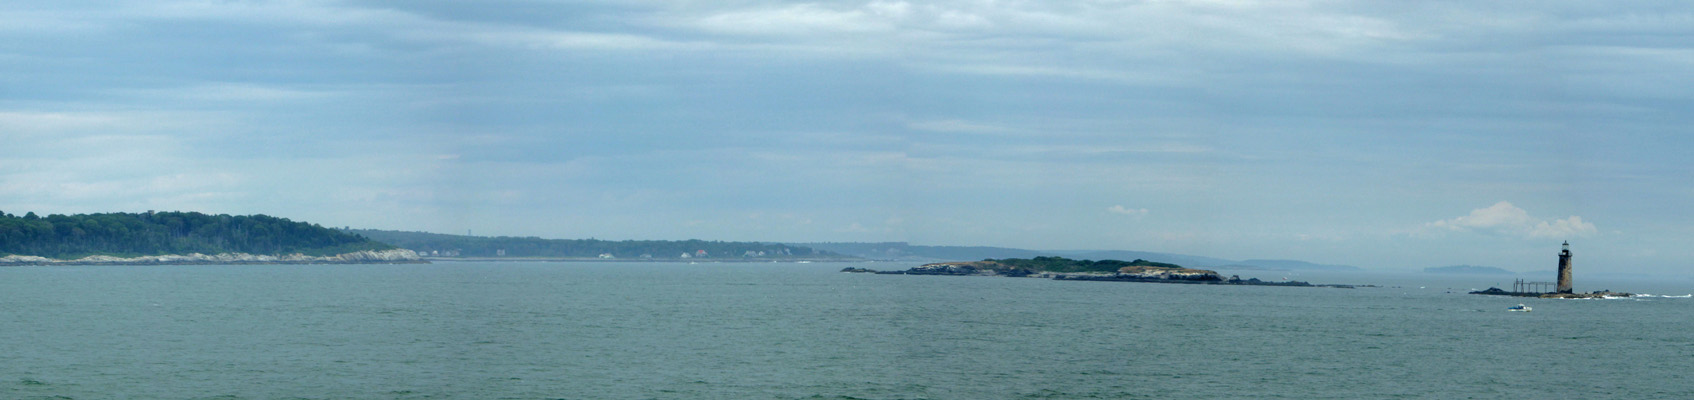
1666,296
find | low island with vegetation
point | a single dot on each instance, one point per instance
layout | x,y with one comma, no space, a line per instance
1061,268
182,238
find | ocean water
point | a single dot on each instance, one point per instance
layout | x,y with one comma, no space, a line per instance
515,330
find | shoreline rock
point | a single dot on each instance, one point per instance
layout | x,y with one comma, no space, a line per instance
393,256
1143,274
1494,291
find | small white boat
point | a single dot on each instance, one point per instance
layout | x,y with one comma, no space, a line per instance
1519,307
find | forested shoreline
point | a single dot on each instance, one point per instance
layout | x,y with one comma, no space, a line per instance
164,233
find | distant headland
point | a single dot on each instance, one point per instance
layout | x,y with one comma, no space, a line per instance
183,238
1060,268
440,246
390,256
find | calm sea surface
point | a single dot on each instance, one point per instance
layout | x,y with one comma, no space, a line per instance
805,331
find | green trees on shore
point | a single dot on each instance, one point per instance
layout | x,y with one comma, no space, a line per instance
158,233
1061,264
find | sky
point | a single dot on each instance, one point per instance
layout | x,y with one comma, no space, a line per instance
1387,135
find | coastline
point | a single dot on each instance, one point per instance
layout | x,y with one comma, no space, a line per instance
643,260
1603,294
1138,274
393,256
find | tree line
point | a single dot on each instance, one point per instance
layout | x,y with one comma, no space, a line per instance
1061,264
160,233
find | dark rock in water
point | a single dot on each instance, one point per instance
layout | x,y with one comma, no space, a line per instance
1592,295
1494,291
1136,278
944,269
1236,280
1016,272
859,270
968,269
1073,270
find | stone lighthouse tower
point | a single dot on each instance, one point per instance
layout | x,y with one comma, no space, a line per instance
1564,269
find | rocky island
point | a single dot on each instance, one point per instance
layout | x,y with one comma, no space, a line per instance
1060,268
1603,294
1562,289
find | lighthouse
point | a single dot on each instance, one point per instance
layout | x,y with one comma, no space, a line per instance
1564,269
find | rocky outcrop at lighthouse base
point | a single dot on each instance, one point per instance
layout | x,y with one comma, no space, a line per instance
1603,294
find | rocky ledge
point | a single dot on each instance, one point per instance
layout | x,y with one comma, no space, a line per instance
394,256
1133,273
1603,294
995,268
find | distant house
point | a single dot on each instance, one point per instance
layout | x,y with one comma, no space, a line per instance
606,255
699,253
685,255
646,256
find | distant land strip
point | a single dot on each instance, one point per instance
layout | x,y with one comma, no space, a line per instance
1060,268
391,256
183,238
437,246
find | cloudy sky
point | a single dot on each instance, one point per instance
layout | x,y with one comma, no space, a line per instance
1380,134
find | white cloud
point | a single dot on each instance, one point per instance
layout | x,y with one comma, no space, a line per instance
32,22
1134,212
53,122
559,40
219,92
315,13
805,19
854,228
1099,149
1505,219
29,132
955,125
1140,75
1562,228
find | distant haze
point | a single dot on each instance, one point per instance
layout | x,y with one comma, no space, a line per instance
1468,269
1383,135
